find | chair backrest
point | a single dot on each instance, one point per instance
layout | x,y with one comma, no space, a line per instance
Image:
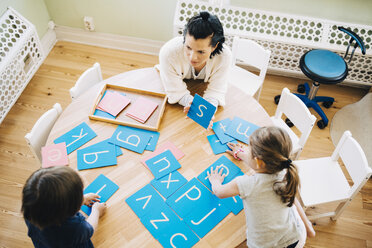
354,159
297,112
38,136
89,78
250,53
353,37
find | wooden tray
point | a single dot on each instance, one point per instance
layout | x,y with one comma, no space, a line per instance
152,123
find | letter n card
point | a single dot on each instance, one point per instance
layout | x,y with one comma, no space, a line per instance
76,137
201,111
163,164
229,169
101,186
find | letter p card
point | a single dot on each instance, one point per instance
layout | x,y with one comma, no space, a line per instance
201,111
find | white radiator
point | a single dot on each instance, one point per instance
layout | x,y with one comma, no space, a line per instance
21,55
287,36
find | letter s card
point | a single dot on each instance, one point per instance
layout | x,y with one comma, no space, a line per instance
201,111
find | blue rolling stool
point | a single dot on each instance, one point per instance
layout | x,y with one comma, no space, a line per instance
324,67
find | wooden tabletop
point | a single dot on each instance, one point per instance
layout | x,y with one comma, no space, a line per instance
120,227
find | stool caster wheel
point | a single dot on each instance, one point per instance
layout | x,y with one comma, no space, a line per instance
301,88
327,104
288,122
277,99
321,124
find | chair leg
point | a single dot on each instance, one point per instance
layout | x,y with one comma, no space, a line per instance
320,111
323,99
340,208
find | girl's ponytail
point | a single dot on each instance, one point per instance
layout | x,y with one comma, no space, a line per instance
287,188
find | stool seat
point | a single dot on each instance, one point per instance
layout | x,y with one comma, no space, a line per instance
323,66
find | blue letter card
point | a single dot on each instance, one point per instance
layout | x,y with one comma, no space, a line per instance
145,200
118,151
168,184
101,186
202,219
130,139
229,169
163,164
234,204
220,128
201,111
97,155
193,196
216,145
241,129
168,229
154,137
76,137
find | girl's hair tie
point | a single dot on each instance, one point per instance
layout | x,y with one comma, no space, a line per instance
286,163
204,15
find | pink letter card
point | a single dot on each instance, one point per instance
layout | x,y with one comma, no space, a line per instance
141,109
54,155
113,103
162,148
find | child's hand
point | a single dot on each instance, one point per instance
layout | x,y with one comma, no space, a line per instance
235,149
100,207
210,124
187,108
90,199
215,176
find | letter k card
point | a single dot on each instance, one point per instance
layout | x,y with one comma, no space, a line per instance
201,111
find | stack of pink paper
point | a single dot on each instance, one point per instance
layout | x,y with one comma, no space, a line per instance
141,109
113,103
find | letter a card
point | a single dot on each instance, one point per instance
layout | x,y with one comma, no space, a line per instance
76,137
163,164
201,111
241,129
54,155
98,155
130,138
101,186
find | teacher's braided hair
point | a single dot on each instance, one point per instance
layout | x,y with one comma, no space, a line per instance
273,145
204,25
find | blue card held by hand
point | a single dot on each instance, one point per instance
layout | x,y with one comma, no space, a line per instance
216,145
98,155
169,184
201,111
145,200
229,169
163,164
241,129
76,137
101,186
220,128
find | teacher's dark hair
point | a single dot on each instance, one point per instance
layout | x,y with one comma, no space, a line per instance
51,195
204,25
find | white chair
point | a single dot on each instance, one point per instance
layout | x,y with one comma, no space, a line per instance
253,57
38,136
89,78
323,181
298,114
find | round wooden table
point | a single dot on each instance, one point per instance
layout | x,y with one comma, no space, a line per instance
120,227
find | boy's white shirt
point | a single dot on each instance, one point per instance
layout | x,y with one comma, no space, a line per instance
174,67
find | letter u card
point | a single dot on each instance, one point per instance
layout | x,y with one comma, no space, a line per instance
76,137
241,129
201,111
101,186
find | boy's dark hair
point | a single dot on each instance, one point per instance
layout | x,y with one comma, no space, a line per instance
51,195
204,25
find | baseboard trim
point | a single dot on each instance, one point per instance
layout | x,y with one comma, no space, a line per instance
106,40
48,41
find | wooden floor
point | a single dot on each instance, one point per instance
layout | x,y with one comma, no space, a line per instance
58,74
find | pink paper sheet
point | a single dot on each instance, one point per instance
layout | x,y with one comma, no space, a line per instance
141,109
166,146
54,155
113,103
